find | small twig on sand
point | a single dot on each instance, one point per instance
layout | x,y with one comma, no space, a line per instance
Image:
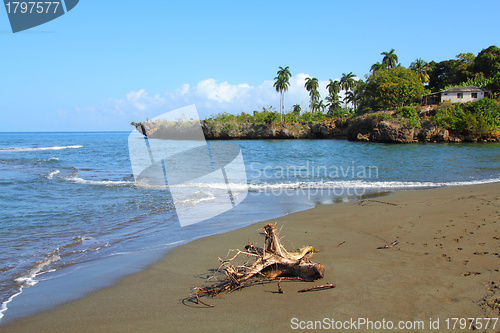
280,291
325,286
198,300
389,245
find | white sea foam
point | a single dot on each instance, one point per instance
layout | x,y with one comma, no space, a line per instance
298,185
79,180
40,148
196,198
29,280
53,173
365,184
4,307
330,184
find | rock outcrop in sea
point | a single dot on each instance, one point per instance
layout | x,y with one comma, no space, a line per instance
368,128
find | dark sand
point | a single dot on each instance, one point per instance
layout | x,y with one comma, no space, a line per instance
446,265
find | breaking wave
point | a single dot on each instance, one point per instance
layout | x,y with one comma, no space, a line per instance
40,148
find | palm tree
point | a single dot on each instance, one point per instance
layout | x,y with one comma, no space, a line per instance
281,84
353,96
311,85
319,106
390,58
333,87
376,67
421,68
347,81
350,97
333,103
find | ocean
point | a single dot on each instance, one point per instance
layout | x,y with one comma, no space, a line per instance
73,219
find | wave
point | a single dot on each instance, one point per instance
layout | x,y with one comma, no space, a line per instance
52,174
29,279
196,198
365,184
79,180
4,307
45,265
40,148
269,186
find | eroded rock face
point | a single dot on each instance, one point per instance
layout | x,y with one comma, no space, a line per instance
427,132
431,133
367,128
328,129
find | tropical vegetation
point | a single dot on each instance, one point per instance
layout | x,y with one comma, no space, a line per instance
393,87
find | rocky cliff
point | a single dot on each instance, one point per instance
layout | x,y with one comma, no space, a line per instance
326,129
368,128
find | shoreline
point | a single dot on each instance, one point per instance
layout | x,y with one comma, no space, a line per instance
448,277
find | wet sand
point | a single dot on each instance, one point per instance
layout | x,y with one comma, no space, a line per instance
446,265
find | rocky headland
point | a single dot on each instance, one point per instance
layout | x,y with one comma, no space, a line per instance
367,128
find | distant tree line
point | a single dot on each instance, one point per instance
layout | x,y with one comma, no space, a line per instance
390,85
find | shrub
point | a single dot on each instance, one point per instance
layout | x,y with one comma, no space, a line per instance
411,114
481,117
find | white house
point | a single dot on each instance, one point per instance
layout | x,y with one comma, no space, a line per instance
456,95
463,94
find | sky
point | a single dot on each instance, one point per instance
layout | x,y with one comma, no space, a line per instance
107,63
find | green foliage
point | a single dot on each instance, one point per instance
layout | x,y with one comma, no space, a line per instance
494,83
229,127
392,88
481,117
296,109
266,116
455,72
381,116
488,61
227,122
411,114
390,59
478,81
337,112
421,68
311,86
449,72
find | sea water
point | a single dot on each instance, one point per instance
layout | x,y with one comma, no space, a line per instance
72,218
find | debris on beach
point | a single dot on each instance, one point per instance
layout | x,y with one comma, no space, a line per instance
325,286
271,263
388,246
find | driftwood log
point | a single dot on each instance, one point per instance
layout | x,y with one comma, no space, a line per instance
272,262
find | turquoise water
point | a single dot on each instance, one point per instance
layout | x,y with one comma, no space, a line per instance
70,205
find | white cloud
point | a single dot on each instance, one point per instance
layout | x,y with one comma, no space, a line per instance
141,100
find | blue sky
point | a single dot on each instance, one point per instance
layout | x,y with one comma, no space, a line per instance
107,63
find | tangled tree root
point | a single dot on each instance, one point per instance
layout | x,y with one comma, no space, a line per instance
273,262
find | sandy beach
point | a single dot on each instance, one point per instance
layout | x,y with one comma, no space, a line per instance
445,266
